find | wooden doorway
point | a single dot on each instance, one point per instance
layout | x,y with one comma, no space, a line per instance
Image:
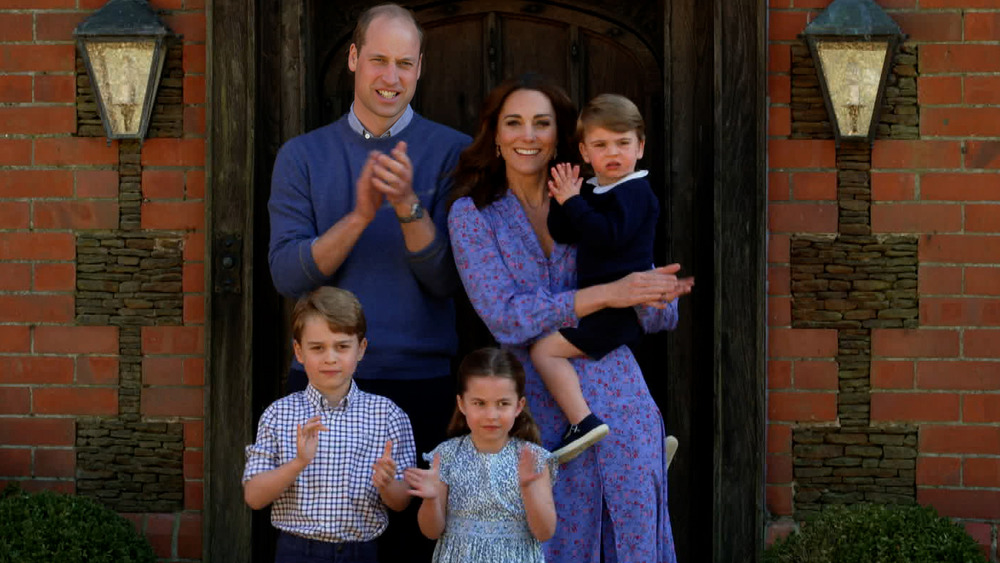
696,70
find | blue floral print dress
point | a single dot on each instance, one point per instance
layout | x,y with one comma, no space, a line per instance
612,500
486,522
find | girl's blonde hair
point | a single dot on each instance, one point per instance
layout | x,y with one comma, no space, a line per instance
494,362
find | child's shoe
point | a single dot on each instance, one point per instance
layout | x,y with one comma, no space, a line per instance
672,444
579,437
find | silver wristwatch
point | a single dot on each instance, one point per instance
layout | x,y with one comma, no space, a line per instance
416,213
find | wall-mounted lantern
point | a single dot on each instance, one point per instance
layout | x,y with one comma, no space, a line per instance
123,46
852,43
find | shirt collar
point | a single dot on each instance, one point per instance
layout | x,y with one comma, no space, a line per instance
319,401
395,129
605,189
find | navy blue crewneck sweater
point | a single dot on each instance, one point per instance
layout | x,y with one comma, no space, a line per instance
406,296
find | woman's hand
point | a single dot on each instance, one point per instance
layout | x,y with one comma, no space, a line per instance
656,287
426,483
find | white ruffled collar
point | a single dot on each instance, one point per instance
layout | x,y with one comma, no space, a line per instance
605,189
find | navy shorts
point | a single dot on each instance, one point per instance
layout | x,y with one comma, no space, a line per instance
599,333
296,549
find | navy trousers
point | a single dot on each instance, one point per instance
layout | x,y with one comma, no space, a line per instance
295,549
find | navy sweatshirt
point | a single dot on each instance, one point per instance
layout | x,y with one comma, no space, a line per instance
614,230
406,296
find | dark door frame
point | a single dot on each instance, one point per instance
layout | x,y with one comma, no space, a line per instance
735,45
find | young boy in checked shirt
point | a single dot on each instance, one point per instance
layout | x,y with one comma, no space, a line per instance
330,458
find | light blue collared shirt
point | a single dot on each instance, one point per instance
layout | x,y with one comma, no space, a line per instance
395,129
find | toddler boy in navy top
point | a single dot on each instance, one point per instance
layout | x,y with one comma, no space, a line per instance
330,458
612,220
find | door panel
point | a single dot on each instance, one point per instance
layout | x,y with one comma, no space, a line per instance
536,45
607,63
456,81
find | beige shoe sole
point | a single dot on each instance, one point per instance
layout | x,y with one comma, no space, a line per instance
672,445
577,447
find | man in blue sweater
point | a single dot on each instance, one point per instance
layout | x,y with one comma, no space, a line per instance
361,204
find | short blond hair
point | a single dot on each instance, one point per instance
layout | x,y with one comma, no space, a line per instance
338,307
612,112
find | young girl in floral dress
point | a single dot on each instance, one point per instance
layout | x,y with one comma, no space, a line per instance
487,497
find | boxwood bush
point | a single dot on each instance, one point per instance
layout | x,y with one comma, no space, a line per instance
873,533
46,527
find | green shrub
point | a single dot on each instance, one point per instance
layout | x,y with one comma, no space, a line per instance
46,527
873,533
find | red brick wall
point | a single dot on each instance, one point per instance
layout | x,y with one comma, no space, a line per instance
945,188
53,185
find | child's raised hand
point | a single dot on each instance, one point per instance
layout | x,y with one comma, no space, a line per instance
384,469
307,439
527,467
426,483
565,182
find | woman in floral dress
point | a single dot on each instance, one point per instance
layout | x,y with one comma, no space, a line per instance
612,500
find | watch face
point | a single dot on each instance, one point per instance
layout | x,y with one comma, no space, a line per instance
416,212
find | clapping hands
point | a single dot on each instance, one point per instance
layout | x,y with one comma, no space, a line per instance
307,439
657,287
384,468
426,483
385,177
527,467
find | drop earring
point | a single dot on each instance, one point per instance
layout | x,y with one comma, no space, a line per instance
498,149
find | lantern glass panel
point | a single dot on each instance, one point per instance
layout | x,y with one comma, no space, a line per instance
853,70
121,70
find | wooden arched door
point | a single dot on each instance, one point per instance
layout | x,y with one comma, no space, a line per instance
688,66
697,68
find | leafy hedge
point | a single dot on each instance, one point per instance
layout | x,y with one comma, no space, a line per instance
872,533
47,527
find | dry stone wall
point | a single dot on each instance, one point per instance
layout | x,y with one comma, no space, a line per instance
853,281
130,278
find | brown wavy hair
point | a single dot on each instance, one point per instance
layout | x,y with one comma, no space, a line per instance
480,173
494,362
338,307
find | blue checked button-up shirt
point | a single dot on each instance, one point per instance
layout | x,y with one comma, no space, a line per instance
333,499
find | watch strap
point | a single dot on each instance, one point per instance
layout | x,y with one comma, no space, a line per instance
416,213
